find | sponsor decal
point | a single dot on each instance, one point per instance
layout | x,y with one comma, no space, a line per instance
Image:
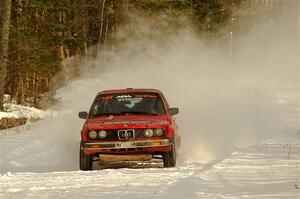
123,96
105,98
145,96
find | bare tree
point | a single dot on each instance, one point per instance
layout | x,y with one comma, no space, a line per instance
4,37
102,2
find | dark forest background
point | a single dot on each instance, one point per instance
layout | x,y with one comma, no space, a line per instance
36,36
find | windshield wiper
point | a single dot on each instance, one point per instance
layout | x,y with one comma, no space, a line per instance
137,112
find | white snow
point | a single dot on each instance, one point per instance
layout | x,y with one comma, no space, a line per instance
267,170
18,111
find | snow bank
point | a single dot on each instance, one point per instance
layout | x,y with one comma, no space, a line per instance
18,111
19,119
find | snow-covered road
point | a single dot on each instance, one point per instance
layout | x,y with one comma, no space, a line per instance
270,169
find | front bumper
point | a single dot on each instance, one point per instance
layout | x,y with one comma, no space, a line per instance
127,144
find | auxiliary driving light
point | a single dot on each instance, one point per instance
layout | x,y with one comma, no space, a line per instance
149,133
92,134
102,134
159,132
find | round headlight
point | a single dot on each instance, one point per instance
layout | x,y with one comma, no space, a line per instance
148,133
102,134
92,134
159,132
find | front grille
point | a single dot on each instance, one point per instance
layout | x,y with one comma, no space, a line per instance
113,134
126,134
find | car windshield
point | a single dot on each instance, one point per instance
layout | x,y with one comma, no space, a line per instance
127,104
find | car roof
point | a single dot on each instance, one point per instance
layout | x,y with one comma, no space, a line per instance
129,90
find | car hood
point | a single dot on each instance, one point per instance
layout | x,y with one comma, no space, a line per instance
127,120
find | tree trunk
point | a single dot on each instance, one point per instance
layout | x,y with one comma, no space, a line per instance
102,2
5,13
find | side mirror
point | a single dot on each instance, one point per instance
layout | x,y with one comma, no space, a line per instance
83,114
173,111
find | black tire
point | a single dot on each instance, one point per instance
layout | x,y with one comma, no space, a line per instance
169,158
85,161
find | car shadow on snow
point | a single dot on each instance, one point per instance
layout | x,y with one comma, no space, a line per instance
99,165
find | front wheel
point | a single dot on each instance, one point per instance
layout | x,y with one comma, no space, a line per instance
169,158
85,161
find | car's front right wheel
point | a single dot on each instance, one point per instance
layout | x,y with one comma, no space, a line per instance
85,161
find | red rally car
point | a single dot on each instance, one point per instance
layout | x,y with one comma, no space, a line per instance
129,122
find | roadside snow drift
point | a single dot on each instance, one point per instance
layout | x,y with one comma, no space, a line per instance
18,111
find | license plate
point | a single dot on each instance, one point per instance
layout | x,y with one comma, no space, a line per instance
126,144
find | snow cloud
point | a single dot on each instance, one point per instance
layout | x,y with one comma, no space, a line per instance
231,92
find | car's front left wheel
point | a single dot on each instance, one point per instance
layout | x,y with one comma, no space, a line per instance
169,158
85,161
